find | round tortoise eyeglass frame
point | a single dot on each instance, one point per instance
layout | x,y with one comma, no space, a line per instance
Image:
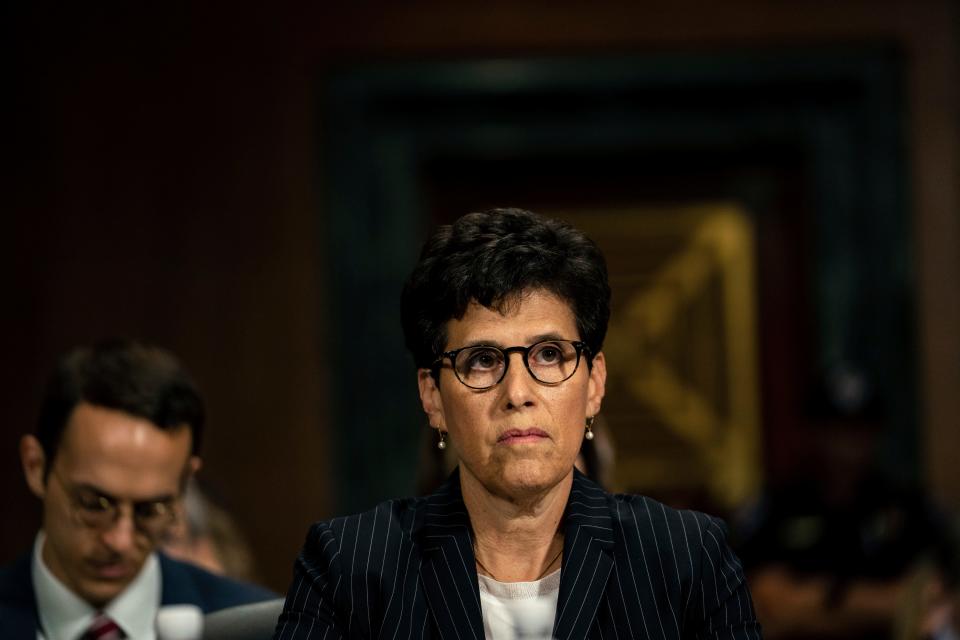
482,367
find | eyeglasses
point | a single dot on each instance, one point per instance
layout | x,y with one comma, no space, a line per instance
484,366
98,511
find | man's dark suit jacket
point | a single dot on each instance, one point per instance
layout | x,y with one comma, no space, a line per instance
182,584
632,568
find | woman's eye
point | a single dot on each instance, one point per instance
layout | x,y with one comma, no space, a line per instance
481,360
548,354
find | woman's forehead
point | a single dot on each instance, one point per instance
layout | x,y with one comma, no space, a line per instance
524,319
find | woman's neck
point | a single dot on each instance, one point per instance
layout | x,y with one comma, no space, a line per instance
516,539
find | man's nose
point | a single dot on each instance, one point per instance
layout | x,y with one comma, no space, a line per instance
120,536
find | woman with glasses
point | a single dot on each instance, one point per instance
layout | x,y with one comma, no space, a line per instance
505,314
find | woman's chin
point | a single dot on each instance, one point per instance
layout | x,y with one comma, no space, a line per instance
525,478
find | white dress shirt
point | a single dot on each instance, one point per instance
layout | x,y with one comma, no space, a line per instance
65,616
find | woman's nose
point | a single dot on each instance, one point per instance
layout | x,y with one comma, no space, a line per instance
517,383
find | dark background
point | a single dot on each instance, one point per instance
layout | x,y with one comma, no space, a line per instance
167,177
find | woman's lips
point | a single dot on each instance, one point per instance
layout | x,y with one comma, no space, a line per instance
518,436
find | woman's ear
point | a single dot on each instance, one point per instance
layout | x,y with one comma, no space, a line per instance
596,385
430,398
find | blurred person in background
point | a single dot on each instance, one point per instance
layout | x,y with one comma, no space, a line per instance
842,551
206,535
116,442
505,314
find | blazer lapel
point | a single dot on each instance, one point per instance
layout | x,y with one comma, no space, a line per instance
448,571
587,558
177,587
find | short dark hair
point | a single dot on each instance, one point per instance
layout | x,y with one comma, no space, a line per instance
139,379
493,256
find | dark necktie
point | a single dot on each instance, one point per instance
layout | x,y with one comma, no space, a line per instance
103,628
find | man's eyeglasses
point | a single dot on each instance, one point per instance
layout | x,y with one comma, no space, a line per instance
484,366
98,511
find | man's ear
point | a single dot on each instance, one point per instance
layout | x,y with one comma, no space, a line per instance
596,386
194,463
34,462
430,398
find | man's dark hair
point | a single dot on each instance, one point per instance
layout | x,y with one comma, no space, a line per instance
139,379
491,258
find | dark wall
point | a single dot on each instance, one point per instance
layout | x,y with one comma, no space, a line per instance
162,188
162,183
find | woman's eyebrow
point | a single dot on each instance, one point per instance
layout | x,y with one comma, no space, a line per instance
481,342
547,336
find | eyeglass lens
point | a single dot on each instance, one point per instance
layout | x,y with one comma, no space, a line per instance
100,512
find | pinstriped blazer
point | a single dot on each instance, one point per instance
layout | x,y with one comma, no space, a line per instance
632,568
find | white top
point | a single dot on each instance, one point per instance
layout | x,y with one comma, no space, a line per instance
64,615
513,610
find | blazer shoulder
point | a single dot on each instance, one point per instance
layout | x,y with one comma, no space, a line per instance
709,576
15,578
18,608
335,542
398,514
648,517
184,583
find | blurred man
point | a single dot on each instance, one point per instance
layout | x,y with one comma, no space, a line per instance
842,551
205,534
116,442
